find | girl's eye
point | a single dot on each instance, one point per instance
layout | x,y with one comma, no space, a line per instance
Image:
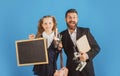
50,23
45,23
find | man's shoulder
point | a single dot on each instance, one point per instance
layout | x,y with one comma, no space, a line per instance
64,31
78,28
82,28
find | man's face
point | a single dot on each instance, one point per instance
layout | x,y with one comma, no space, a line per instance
72,20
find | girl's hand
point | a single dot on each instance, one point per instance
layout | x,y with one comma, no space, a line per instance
31,36
55,38
60,45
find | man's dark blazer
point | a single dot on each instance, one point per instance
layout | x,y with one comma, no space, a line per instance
68,49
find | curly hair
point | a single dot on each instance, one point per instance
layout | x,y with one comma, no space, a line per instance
41,29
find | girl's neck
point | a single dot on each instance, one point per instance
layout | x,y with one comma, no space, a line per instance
48,32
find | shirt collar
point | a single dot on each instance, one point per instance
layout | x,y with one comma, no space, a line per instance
46,35
73,32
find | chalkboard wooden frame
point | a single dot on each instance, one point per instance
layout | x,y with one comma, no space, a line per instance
31,52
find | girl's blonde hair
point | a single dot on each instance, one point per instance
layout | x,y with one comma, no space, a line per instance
41,29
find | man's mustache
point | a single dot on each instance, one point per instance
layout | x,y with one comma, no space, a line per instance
73,22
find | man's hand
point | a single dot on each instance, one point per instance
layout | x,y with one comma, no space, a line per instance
83,56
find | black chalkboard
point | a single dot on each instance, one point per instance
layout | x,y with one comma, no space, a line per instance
31,52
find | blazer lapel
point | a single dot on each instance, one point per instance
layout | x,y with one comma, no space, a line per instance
79,33
68,39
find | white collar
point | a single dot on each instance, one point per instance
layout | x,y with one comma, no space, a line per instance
73,32
48,37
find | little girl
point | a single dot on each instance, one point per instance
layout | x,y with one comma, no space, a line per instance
47,29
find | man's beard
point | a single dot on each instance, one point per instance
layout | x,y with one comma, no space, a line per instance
72,27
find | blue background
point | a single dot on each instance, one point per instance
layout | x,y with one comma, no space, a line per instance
19,18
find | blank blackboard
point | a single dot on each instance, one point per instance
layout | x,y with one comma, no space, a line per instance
31,52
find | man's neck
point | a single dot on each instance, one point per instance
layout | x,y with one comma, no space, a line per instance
71,30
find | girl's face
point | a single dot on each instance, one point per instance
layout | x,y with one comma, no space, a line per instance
48,24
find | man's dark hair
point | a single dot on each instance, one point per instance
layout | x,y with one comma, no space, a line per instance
71,11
